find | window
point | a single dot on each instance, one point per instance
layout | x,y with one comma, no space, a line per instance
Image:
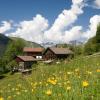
38,57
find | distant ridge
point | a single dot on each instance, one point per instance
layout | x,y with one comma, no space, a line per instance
4,40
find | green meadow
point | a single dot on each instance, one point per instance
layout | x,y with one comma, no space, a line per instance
76,79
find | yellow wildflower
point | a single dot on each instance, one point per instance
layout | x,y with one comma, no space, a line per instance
32,90
77,70
68,82
49,92
68,88
25,90
19,85
59,94
18,93
69,73
13,89
88,72
98,70
35,84
31,83
40,83
9,97
17,89
52,81
1,98
46,84
9,85
85,83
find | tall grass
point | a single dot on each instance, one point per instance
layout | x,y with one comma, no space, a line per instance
77,79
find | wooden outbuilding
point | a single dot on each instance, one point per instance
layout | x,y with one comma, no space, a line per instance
25,62
35,52
57,53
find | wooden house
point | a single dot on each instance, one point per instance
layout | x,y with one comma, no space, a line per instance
35,52
25,62
57,53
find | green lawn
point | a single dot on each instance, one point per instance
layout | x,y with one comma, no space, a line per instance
78,79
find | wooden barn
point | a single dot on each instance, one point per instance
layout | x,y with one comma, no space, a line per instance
57,53
35,52
25,62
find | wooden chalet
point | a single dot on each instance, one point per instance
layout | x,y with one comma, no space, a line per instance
57,53
25,62
35,52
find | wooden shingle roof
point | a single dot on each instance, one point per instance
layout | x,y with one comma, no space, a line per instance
60,50
27,49
26,58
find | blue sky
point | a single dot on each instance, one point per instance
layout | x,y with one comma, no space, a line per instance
18,10
24,10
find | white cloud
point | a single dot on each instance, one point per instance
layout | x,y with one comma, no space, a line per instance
32,30
65,19
36,30
97,4
5,26
77,1
72,34
94,21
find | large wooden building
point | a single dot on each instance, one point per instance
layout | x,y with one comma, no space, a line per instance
57,53
35,52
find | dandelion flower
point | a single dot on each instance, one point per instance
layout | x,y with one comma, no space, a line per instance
49,92
77,70
9,85
17,89
52,81
13,89
98,70
1,98
32,90
9,97
69,73
68,82
25,90
40,83
85,83
59,94
19,85
18,93
88,72
68,88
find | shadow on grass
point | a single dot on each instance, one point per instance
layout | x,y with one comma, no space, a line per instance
2,76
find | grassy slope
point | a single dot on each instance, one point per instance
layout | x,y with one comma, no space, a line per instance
28,43
63,75
5,40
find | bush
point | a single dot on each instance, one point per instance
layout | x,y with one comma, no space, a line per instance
93,44
12,65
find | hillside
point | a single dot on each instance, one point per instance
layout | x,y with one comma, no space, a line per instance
28,43
74,80
5,40
3,43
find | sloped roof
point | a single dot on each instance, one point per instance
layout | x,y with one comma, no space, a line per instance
27,49
27,58
61,50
